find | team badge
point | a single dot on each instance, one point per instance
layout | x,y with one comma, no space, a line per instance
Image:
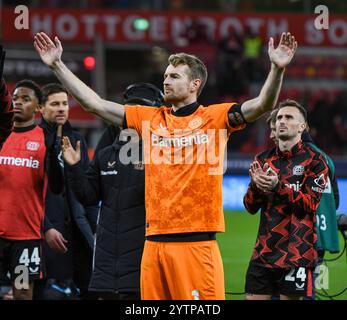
139,166
33,145
298,170
195,123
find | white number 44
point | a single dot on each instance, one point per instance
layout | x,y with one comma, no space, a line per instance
35,258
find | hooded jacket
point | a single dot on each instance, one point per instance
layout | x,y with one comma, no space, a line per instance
121,223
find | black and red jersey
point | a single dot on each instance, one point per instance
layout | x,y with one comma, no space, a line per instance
6,113
287,231
23,184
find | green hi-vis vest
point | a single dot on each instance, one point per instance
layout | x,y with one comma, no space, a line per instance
252,47
327,232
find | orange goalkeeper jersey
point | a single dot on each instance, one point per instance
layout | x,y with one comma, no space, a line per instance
184,166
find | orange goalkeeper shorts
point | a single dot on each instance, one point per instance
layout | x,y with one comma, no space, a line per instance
182,271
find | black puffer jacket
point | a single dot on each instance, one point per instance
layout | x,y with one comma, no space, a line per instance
121,223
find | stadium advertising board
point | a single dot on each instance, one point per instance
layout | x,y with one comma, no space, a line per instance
118,26
235,187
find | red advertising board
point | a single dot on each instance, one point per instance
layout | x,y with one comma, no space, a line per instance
117,26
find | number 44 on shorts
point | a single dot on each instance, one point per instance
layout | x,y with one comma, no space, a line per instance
34,259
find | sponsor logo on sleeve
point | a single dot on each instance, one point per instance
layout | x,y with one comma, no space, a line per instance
322,185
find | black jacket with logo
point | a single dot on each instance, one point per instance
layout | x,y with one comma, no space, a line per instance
67,215
121,223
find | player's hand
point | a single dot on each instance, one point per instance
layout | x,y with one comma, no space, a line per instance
268,180
49,51
255,171
55,240
71,156
283,54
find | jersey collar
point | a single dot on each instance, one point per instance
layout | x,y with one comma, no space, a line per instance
186,110
24,129
288,154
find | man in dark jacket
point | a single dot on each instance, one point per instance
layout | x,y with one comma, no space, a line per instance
68,227
120,188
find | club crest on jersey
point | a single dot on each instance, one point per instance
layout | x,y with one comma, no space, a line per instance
162,127
139,166
33,145
195,123
298,170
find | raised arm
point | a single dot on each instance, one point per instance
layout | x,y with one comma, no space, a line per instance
267,99
50,53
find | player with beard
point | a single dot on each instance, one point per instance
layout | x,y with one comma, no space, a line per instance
184,152
287,183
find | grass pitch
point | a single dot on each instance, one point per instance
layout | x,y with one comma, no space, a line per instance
236,246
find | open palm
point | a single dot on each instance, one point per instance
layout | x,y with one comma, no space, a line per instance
71,156
49,52
283,54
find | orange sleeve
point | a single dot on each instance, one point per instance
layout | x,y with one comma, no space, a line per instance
219,113
135,116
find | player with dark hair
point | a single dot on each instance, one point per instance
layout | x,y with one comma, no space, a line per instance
327,231
184,150
68,226
120,232
26,161
326,213
287,183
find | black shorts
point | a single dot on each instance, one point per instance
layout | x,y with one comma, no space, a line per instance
296,281
22,259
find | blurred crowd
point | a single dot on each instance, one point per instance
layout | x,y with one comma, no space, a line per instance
327,115
237,65
239,62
